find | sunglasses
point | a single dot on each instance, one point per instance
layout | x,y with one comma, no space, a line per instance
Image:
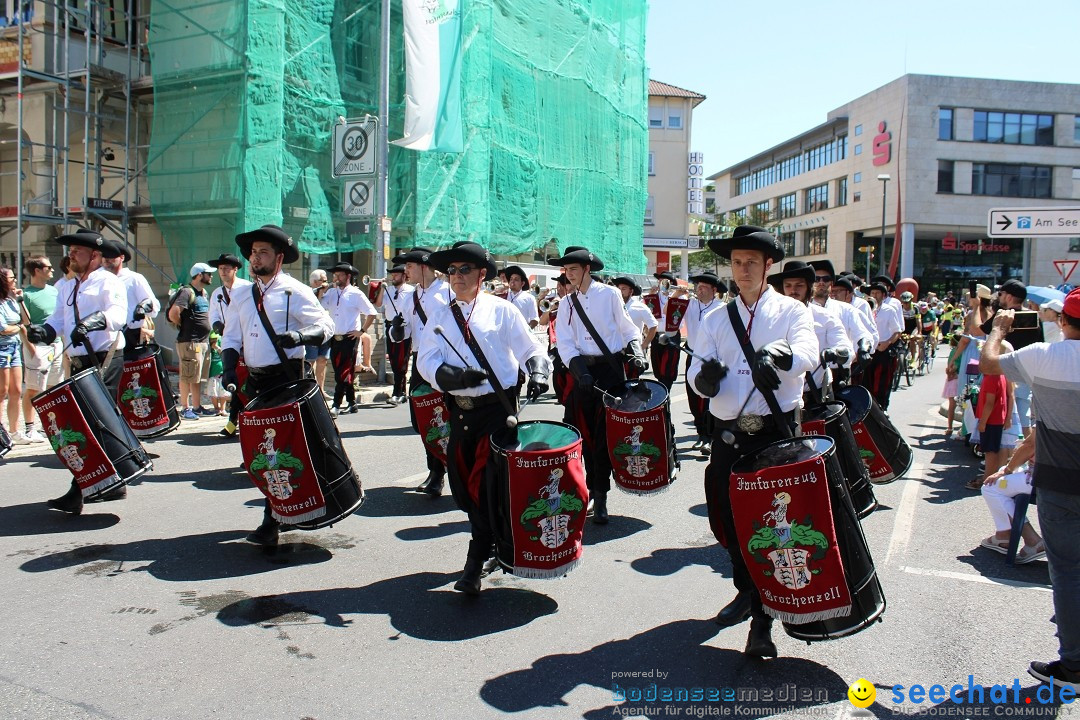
463,269
824,278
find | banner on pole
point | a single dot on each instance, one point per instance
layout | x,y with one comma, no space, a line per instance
432,75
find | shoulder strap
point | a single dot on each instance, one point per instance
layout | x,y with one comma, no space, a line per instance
592,331
470,340
225,294
256,294
748,353
419,308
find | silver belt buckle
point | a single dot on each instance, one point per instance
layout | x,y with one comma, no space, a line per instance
339,338
464,402
750,423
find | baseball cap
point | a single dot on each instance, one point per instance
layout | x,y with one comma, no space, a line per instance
199,269
1055,305
1072,304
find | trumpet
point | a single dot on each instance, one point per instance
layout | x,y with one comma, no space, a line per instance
548,304
368,279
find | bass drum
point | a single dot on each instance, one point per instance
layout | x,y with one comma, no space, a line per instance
881,447
640,438
145,395
831,420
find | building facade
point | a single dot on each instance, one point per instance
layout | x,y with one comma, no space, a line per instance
931,156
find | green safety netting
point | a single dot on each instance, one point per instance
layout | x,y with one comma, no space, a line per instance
246,93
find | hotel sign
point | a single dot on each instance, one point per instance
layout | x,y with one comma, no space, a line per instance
695,195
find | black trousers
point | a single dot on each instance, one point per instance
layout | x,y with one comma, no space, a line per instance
398,354
343,358
585,410
665,362
470,465
434,465
699,409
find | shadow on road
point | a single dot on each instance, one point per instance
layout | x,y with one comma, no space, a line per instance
619,527
991,564
431,532
419,605
399,502
668,561
38,519
222,479
403,431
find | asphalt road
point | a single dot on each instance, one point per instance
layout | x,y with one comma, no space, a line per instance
154,607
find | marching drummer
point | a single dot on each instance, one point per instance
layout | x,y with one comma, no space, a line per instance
227,266
474,356
639,313
665,356
390,299
352,314
595,359
293,314
93,314
140,298
519,295
859,328
782,347
709,291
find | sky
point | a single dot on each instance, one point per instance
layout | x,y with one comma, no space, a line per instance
772,69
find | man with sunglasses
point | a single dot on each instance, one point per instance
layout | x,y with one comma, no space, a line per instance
860,331
479,404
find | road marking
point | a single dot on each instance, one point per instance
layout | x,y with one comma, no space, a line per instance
680,396
968,577
410,479
905,516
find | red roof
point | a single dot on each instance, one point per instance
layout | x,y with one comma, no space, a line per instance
660,89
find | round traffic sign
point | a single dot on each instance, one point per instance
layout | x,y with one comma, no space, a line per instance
354,143
359,194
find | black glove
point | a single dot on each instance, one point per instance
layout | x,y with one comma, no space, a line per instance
450,377
841,376
539,369
41,334
219,327
94,321
311,335
709,376
581,373
769,361
637,355
146,306
835,355
395,329
229,360
864,353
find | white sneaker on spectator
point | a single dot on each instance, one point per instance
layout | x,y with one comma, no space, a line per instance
36,437
20,438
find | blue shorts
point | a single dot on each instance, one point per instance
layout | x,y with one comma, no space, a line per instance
311,352
990,438
10,355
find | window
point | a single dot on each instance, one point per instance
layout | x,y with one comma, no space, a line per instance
1001,180
674,117
945,124
944,176
787,240
1074,245
785,206
817,241
652,166
858,130
1013,128
817,199
857,178
841,192
763,209
856,197
858,148
815,157
656,116
1076,129
649,210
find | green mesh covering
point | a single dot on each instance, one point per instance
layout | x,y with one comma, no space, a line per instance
555,102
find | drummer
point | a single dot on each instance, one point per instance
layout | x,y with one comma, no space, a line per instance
860,330
291,310
352,314
519,295
781,331
482,335
595,362
639,313
140,298
227,266
390,299
431,292
665,356
93,314
709,291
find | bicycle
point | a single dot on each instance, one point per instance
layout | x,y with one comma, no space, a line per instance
903,365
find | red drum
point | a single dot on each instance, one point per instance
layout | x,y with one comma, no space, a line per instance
881,447
293,452
639,436
802,541
433,419
145,396
89,436
538,499
831,420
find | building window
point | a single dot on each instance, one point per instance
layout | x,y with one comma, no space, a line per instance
1076,129
817,241
856,197
763,210
815,157
841,192
945,124
649,210
786,206
858,130
858,148
944,176
1014,128
674,118
652,165
857,178
1001,180
656,116
817,199
710,206
787,240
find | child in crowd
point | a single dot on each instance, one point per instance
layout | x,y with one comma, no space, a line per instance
214,389
994,415
952,385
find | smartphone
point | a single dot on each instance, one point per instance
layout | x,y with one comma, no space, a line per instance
1025,320
972,289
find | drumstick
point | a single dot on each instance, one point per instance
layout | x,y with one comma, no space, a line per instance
614,398
439,331
512,420
288,300
665,340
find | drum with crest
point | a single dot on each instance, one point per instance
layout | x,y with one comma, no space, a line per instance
293,453
432,419
88,434
145,395
881,447
831,420
640,437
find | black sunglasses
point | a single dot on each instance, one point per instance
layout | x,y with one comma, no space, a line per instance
463,269
823,278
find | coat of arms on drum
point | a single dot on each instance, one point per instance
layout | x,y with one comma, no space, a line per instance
138,397
791,546
439,430
552,512
66,443
636,453
276,467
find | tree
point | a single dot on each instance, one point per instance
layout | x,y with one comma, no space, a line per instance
723,227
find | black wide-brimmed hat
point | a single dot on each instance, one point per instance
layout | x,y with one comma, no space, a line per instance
421,255
749,237
344,267
464,251
793,269
825,265
711,279
270,234
664,276
879,286
629,282
115,249
396,269
87,239
579,255
226,259
512,270
884,280
845,283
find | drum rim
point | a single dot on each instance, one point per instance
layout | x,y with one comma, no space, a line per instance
272,389
838,405
801,438
502,450
641,381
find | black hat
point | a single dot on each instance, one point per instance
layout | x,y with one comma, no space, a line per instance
579,255
749,237
845,283
884,280
420,255
464,251
87,239
396,269
879,286
562,279
825,265
226,259
512,270
793,269
270,234
1015,288
664,276
629,282
712,279
344,267
115,249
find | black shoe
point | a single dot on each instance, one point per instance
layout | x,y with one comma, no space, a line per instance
352,409
735,611
759,642
69,502
470,578
1056,673
600,516
266,534
432,485
118,494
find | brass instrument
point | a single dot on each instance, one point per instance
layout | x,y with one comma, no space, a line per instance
368,279
548,304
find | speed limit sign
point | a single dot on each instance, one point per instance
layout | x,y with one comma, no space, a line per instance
354,144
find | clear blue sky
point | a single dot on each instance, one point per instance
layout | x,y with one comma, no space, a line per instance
772,69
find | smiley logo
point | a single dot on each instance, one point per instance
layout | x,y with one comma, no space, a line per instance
861,693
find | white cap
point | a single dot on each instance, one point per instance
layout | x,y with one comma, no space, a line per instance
199,269
1055,305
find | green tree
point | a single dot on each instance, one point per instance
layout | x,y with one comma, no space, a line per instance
722,227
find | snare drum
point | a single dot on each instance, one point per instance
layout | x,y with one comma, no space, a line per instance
831,420
89,436
801,539
881,447
293,453
538,498
640,437
432,419
145,397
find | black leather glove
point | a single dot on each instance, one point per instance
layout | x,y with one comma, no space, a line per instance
841,376
864,353
395,329
709,376
450,377
219,327
539,369
41,334
835,356
311,335
229,360
637,355
581,373
146,306
769,361
90,323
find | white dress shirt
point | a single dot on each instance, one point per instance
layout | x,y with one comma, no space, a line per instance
860,304
244,330
393,298
888,320
101,290
525,302
640,314
856,325
696,312
138,289
434,296
499,329
776,317
604,306
348,307
830,334
222,297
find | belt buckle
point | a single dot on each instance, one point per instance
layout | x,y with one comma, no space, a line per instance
464,402
339,337
750,423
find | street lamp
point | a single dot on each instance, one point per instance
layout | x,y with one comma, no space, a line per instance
884,178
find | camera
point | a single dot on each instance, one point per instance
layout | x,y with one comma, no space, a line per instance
1025,320
972,289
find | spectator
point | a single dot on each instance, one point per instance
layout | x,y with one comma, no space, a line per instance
43,365
319,354
1011,296
190,312
1000,491
1050,314
11,353
1053,372
994,414
952,385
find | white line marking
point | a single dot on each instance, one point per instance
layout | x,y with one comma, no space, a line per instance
905,516
680,396
968,577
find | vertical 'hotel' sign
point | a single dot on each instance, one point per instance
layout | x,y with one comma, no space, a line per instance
695,196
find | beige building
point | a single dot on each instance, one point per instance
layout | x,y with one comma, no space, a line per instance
676,179
954,148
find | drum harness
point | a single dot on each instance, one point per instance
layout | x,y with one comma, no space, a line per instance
606,353
466,403
257,296
755,423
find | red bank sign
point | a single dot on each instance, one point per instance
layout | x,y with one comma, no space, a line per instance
949,242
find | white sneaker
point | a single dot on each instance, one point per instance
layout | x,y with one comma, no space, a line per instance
36,437
20,438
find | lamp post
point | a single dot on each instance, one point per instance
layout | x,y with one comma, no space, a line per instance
884,178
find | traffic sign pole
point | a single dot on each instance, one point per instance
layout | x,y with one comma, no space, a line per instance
382,245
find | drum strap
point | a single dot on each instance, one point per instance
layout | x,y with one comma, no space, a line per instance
256,294
470,340
608,355
748,352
